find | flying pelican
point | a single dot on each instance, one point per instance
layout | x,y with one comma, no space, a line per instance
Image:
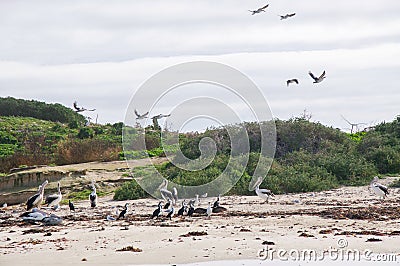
81,109
36,200
291,81
317,79
287,16
160,116
157,212
259,10
93,196
71,206
262,192
139,116
55,199
379,189
123,212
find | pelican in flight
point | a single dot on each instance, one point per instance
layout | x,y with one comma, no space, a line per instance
287,16
379,189
93,196
263,192
55,199
81,109
36,200
139,116
317,79
259,10
160,116
291,81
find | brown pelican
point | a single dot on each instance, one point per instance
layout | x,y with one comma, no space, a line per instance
55,199
287,16
317,79
36,200
261,9
262,192
379,189
291,81
139,116
81,109
93,196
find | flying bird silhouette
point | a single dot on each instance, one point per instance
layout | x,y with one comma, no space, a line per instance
261,9
81,109
317,79
160,116
139,116
291,81
287,16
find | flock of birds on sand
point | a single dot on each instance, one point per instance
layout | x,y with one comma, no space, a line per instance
165,208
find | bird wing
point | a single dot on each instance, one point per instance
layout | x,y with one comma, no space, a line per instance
382,187
136,113
266,191
295,81
200,210
322,75
76,106
264,7
51,198
31,201
291,15
312,75
167,194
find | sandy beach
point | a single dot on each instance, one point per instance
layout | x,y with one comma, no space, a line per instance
348,218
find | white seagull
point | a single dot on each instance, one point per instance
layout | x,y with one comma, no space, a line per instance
262,192
36,200
379,189
259,10
55,199
317,79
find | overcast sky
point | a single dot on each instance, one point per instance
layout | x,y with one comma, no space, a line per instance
100,52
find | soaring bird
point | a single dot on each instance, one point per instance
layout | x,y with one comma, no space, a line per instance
287,16
71,206
123,212
36,200
259,10
262,192
379,189
139,116
81,109
291,81
160,116
55,199
157,212
93,196
317,79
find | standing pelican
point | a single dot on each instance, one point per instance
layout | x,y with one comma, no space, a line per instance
379,189
55,199
36,200
262,192
93,196
165,193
